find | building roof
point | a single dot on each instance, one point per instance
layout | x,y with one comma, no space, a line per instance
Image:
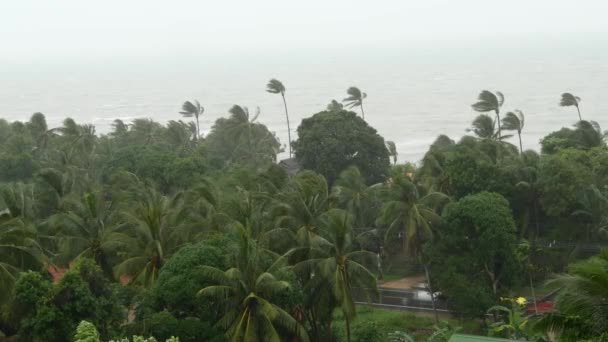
290,165
473,338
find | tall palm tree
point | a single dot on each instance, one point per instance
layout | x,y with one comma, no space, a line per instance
339,267
484,127
351,193
514,121
568,100
195,110
355,99
392,151
244,295
275,86
490,102
413,215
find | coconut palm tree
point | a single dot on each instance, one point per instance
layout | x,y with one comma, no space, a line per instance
392,151
355,99
244,295
352,194
195,110
581,302
339,267
490,102
484,127
19,251
88,227
569,100
335,106
275,86
413,216
514,121
155,223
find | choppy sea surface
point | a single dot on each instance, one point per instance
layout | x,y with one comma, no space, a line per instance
414,94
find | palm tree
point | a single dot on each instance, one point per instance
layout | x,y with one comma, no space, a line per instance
19,251
88,228
335,106
581,300
275,86
392,150
490,102
571,100
484,127
351,193
592,212
195,109
413,215
155,224
514,121
355,99
244,295
339,267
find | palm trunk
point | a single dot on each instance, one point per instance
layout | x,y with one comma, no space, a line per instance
428,281
499,128
533,293
521,149
536,219
288,128
198,129
362,111
579,114
347,328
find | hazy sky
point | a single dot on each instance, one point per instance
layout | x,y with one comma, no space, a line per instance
41,29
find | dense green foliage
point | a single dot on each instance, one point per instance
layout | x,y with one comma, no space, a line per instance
156,230
329,142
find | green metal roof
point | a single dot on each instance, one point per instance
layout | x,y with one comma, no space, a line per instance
473,338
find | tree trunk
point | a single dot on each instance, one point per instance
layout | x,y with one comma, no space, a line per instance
428,281
347,328
498,121
362,111
288,127
521,149
533,293
198,129
579,113
536,218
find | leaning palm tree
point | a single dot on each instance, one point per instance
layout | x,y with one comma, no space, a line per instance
392,151
339,267
355,99
275,86
571,100
490,102
514,121
195,110
245,293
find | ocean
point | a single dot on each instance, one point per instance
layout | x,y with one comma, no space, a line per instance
414,93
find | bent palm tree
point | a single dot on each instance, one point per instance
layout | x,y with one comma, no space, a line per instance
244,295
569,100
514,121
195,110
392,151
355,99
484,127
490,102
275,86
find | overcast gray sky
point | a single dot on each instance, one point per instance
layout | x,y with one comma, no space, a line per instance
33,29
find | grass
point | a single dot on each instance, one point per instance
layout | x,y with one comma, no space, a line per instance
387,321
